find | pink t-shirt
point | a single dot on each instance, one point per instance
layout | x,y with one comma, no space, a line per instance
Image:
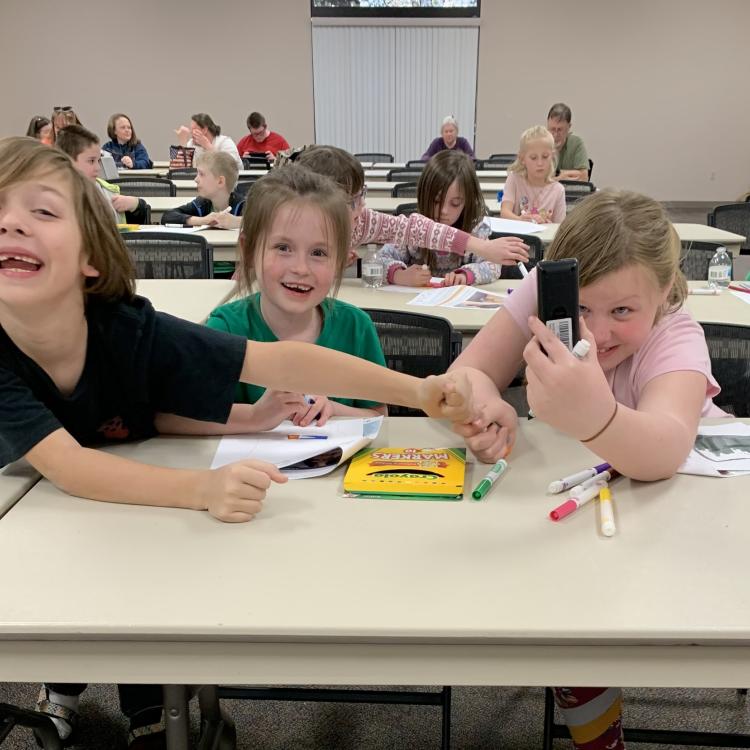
548,202
675,343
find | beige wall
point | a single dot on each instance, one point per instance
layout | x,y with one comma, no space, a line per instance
658,88
159,61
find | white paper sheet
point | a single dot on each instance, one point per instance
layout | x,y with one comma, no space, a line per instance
513,225
721,450
172,230
744,296
350,435
466,297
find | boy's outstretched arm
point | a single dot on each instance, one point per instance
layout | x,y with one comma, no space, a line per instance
306,368
232,493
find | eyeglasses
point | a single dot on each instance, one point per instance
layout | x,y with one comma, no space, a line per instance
358,199
62,109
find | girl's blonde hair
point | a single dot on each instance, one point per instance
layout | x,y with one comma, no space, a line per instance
438,175
530,135
23,159
293,184
613,229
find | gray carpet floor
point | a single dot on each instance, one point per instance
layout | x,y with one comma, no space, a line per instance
482,719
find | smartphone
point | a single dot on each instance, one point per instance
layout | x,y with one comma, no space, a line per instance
557,293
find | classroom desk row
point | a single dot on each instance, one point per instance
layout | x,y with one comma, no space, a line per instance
371,175
224,241
489,189
321,589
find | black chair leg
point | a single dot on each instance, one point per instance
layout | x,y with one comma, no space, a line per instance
42,726
549,719
446,732
217,731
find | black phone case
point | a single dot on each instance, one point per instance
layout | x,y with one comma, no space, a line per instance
557,292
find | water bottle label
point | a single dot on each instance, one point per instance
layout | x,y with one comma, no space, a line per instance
719,273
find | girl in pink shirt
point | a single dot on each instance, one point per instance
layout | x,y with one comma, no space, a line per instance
635,400
531,192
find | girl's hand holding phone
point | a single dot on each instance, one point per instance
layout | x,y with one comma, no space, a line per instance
568,393
319,410
235,493
506,251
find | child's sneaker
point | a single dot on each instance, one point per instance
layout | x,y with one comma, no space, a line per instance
65,718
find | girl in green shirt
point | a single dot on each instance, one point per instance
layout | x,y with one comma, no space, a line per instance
294,242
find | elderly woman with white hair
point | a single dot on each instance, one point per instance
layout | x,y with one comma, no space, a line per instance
448,139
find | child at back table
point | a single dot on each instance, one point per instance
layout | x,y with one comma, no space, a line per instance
635,399
88,363
449,192
531,192
82,146
414,230
217,204
294,242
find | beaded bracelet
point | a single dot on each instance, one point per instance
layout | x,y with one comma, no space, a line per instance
609,422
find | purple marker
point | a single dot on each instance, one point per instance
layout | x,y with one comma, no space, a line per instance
560,485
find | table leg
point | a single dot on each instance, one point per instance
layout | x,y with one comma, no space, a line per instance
176,717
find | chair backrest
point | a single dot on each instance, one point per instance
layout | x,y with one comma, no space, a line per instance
732,217
166,255
403,175
406,209
184,173
577,188
244,184
415,344
255,161
695,257
729,348
404,190
143,187
499,160
375,157
536,252
415,164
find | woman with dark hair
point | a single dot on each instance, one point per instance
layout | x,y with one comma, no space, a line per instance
40,128
205,135
124,145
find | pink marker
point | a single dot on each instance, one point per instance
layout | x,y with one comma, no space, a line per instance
574,503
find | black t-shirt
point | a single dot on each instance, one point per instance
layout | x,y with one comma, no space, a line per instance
138,362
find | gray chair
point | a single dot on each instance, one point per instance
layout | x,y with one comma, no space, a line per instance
244,184
255,161
733,217
498,161
184,173
144,187
406,209
576,190
403,175
415,164
536,252
729,349
415,344
695,258
166,255
375,157
44,730
404,190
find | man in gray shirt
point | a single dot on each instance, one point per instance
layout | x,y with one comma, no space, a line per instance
572,159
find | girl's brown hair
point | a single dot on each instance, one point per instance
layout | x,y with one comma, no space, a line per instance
339,165
133,142
35,126
438,175
612,229
297,185
23,159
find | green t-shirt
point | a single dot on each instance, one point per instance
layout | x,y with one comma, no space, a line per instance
345,328
573,154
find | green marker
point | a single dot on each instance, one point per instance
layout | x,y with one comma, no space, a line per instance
492,476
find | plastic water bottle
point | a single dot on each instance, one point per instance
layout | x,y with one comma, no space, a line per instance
720,269
372,269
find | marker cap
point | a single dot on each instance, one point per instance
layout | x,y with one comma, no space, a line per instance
563,510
